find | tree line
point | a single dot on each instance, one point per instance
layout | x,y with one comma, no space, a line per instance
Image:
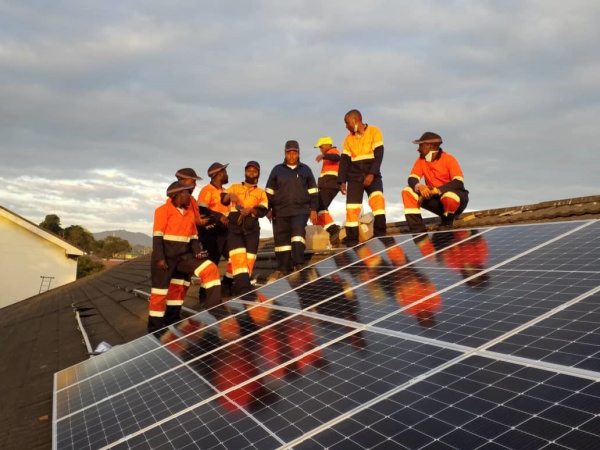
82,238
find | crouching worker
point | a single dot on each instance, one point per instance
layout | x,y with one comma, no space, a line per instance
444,191
176,256
247,203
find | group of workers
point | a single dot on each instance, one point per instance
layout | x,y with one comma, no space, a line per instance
190,237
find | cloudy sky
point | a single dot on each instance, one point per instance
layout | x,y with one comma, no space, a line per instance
102,101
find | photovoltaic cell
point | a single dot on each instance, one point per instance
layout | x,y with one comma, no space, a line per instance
462,339
475,403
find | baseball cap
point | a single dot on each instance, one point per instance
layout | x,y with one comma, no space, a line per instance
324,140
216,168
254,164
187,173
292,145
429,138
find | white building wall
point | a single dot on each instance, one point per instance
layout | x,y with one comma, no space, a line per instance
24,258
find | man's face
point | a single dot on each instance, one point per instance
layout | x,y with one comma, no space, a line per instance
252,173
224,176
325,148
351,123
182,199
423,150
292,157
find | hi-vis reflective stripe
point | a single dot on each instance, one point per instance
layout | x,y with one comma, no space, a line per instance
351,224
159,291
363,157
328,172
265,204
174,302
374,194
353,205
269,191
313,190
158,233
180,282
251,256
298,239
237,251
411,192
378,212
412,175
328,225
204,205
201,267
156,313
412,211
320,213
458,178
284,248
211,284
451,195
241,270
172,237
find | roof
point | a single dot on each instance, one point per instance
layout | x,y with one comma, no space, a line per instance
44,234
40,335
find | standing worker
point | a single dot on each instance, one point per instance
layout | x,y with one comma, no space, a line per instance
293,198
444,191
360,168
176,256
189,177
328,186
247,203
214,234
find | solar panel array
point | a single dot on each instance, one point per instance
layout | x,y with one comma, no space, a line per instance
482,338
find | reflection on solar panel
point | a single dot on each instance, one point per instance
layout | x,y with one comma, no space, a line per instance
463,339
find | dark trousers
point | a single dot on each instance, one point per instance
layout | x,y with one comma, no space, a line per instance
326,196
289,234
240,245
170,286
214,241
354,198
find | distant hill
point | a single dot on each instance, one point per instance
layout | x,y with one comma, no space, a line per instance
133,238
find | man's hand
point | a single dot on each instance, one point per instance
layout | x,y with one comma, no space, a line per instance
202,220
426,192
314,217
233,197
319,157
246,211
224,220
343,188
269,216
202,254
368,180
162,264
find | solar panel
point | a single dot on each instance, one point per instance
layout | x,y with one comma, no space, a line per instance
462,339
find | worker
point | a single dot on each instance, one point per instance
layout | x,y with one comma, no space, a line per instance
444,191
328,186
214,234
247,203
176,256
293,198
359,172
189,177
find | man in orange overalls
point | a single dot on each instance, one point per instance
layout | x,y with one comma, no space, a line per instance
247,203
444,191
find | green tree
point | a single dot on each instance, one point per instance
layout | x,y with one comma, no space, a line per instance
109,246
52,223
80,237
86,266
